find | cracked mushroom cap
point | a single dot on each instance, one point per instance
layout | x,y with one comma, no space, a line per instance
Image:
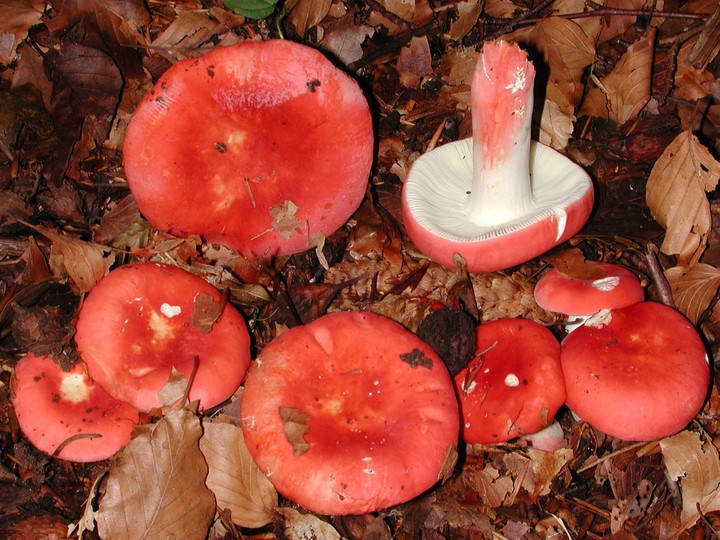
350,414
264,147
66,414
514,385
145,326
638,373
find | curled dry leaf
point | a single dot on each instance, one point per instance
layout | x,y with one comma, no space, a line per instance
675,195
468,14
84,263
156,489
16,18
693,288
623,93
696,465
238,484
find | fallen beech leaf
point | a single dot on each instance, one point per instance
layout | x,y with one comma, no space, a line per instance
345,40
568,51
556,126
83,262
693,288
308,13
414,62
468,14
571,262
156,489
206,312
16,18
623,93
492,488
695,463
294,428
238,484
675,195
305,526
284,220
536,470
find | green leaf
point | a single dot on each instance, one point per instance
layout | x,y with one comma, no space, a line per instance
252,9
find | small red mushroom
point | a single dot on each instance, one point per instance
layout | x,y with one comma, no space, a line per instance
350,414
264,147
587,289
145,325
514,385
638,373
66,414
497,199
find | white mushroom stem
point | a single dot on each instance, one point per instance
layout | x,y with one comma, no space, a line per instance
502,104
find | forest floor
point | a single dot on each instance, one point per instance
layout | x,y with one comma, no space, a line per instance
629,91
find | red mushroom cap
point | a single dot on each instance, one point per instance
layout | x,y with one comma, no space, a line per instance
258,146
66,409
514,385
600,285
142,320
638,373
350,414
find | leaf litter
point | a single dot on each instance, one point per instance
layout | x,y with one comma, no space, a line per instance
633,96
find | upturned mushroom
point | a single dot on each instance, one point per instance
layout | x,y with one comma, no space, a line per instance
350,414
638,373
150,331
264,147
497,199
66,414
514,385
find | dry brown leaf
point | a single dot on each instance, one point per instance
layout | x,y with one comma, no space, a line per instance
468,14
693,288
616,24
535,470
556,126
345,40
305,526
16,18
501,8
82,262
492,488
308,13
414,62
696,465
675,195
590,25
622,94
156,489
185,33
238,484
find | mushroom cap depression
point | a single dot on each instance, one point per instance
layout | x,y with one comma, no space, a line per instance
638,373
67,411
143,328
601,285
350,414
264,147
514,385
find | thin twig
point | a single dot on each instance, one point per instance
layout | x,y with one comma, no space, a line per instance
394,45
516,21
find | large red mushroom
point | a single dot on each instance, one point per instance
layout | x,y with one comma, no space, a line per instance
514,384
264,147
638,373
497,199
66,414
147,331
350,414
